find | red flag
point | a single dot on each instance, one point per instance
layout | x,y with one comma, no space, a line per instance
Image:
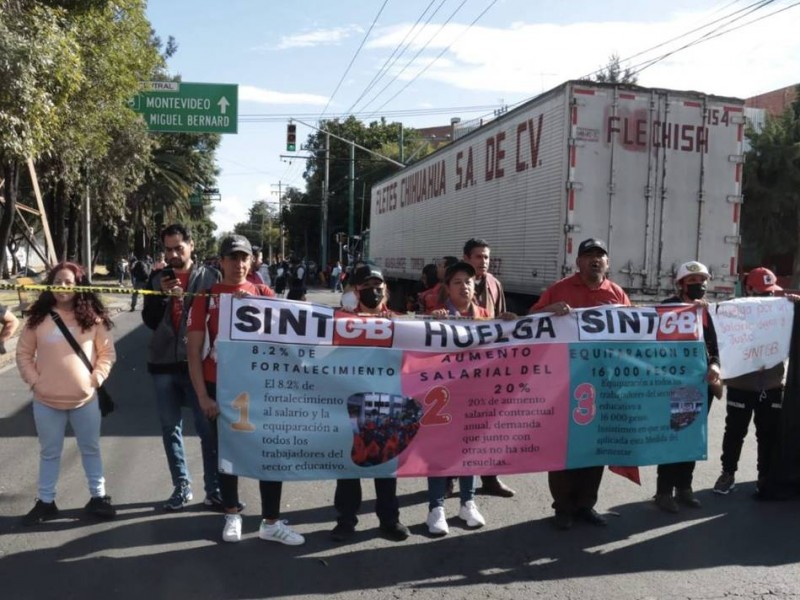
631,473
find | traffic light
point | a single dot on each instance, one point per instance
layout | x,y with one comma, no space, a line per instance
291,137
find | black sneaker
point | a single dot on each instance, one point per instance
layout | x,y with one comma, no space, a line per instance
181,496
343,532
41,511
213,502
100,506
397,532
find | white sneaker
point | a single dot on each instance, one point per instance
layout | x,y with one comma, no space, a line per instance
469,512
437,522
232,532
279,531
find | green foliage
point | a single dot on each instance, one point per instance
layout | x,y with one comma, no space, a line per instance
262,227
40,70
614,73
304,223
771,211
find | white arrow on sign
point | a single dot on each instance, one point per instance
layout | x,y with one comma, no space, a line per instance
223,104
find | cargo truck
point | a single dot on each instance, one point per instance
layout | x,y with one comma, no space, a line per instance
656,173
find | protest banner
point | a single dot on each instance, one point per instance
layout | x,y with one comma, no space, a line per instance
752,333
309,393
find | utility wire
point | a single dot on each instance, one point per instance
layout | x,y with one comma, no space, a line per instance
677,37
430,64
352,60
410,112
714,33
408,64
389,63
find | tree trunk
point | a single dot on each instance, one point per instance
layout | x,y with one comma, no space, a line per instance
60,201
73,227
11,175
796,265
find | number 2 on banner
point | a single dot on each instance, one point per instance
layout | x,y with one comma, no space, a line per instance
242,404
437,398
586,410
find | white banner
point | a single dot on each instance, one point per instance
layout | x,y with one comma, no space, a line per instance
752,333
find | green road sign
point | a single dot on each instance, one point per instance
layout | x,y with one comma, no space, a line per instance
188,107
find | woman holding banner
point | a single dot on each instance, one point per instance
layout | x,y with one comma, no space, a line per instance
459,285
371,296
235,261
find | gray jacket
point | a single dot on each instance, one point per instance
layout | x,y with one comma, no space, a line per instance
167,349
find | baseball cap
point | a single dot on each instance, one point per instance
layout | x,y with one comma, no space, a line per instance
692,268
762,280
459,267
591,244
366,272
235,243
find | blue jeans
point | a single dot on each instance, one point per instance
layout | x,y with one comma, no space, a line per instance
173,392
51,424
437,488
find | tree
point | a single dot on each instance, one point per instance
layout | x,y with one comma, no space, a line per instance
613,72
304,223
262,228
771,211
39,72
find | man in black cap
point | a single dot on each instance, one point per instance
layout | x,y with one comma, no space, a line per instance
575,490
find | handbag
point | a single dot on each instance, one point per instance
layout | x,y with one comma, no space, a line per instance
104,399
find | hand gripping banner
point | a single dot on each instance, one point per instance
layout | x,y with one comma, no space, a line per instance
307,392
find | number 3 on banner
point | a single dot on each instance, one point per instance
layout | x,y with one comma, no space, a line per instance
586,409
242,404
437,398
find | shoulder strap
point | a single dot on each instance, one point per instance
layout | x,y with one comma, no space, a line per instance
72,341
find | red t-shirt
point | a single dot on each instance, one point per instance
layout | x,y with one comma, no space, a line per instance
577,294
429,299
176,304
204,316
475,311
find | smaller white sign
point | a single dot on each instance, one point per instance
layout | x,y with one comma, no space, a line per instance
752,333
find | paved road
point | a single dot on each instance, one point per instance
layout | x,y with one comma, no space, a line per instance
732,547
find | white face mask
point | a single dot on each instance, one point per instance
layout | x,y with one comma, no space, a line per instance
350,301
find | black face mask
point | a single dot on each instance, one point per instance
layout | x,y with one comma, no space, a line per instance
695,291
370,297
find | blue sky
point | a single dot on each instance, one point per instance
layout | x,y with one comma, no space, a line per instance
289,57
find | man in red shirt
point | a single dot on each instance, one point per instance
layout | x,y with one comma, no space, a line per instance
574,491
203,325
489,295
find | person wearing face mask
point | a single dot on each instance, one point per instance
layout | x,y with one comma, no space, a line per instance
674,481
369,288
757,395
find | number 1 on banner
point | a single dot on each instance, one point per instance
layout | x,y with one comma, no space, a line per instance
586,409
242,404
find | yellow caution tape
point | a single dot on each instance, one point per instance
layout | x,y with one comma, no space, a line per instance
41,287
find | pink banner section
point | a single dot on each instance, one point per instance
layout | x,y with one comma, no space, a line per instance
488,411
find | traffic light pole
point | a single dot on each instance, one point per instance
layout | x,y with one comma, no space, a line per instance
326,187
351,193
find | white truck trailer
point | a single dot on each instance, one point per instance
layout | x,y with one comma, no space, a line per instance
655,173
